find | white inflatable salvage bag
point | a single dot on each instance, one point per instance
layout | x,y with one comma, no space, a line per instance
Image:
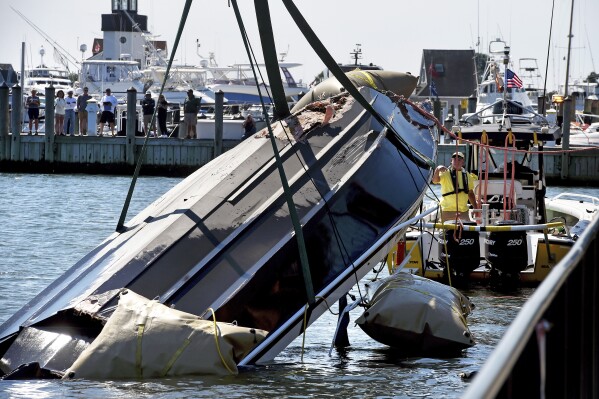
145,339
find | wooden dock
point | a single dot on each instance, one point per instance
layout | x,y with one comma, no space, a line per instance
105,155
179,157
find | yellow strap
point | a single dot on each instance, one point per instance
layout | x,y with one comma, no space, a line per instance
510,136
175,356
534,138
368,78
140,333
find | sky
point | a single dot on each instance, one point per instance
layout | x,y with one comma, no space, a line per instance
392,33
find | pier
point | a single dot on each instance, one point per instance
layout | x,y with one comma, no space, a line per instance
49,153
174,156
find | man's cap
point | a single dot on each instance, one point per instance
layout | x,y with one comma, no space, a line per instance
107,90
85,88
457,154
190,91
70,91
148,92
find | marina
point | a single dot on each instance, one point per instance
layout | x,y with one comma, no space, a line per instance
251,235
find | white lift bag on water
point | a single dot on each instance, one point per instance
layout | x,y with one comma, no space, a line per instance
145,339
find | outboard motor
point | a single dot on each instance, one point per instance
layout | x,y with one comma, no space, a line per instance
463,255
507,255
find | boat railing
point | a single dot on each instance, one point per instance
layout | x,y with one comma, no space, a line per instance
578,197
552,347
518,113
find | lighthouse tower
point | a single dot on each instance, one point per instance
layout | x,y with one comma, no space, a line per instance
123,32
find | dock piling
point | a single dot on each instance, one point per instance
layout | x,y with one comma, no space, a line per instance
4,122
16,116
131,125
218,122
49,124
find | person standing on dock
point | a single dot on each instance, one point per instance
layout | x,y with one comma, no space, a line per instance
82,111
191,107
249,127
109,103
59,110
148,105
33,109
162,112
454,203
69,115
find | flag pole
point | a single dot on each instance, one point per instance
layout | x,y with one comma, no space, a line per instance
506,60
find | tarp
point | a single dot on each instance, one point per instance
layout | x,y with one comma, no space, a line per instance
145,339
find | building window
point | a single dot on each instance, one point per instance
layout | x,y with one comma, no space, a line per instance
440,69
133,5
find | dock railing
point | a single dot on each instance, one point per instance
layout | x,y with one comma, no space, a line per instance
551,350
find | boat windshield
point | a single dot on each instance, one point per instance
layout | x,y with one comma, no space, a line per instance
48,73
110,72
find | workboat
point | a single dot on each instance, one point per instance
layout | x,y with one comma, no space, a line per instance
224,240
416,315
518,235
495,88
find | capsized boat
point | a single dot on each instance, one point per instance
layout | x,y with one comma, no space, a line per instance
223,238
416,315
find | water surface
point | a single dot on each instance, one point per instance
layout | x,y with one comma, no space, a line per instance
51,221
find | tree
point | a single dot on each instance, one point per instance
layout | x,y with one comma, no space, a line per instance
592,78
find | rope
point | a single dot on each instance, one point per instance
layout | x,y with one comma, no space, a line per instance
508,139
447,258
121,222
483,177
222,359
472,142
299,235
313,39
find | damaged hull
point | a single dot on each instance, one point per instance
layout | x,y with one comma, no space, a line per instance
223,238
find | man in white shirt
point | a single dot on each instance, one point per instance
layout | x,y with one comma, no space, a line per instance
108,104
69,114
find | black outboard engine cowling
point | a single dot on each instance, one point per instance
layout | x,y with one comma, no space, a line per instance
506,254
462,255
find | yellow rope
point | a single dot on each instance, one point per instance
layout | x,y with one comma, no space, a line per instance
447,258
216,340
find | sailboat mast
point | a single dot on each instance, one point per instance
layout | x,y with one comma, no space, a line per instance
569,50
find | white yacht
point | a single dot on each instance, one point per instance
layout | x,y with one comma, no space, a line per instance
42,76
493,88
240,86
116,75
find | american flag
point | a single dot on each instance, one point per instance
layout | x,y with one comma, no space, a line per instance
512,79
